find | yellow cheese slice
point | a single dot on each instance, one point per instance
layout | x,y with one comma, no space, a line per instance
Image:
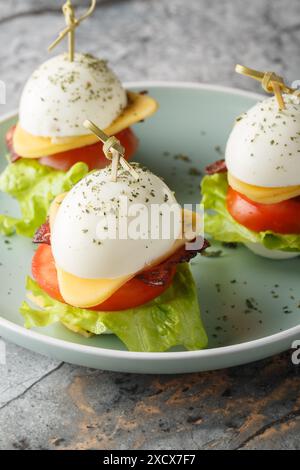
87,293
261,194
54,208
30,146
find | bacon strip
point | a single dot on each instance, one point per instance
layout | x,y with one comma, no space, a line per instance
43,235
9,144
217,167
156,276
159,275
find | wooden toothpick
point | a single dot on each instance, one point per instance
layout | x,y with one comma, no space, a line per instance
113,151
72,23
68,11
278,94
114,164
102,136
271,83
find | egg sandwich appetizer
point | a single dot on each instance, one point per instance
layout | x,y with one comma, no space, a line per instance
139,288
253,196
49,149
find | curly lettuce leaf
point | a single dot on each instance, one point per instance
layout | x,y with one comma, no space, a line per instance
34,186
221,226
173,319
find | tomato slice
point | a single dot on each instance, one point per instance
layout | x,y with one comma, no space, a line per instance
283,217
44,272
92,155
134,293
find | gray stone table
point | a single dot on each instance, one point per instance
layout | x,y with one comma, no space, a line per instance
48,405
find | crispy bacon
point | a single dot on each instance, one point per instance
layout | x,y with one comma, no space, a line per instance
156,276
217,167
9,144
159,275
43,235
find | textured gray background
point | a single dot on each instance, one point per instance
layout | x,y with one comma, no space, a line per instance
44,404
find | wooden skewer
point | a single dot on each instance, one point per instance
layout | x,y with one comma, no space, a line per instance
278,94
72,24
243,70
70,20
60,37
129,168
102,136
113,150
114,165
271,83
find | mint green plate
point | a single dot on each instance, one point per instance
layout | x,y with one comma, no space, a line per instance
250,305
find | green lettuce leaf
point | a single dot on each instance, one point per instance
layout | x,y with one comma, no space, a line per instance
172,319
221,226
34,186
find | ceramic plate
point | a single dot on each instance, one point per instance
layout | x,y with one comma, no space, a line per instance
250,305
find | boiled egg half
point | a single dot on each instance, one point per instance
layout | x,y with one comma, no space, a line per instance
263,151
93,258
60,95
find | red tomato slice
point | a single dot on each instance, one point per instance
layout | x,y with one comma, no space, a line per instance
283,217
134,293
92,155
44,272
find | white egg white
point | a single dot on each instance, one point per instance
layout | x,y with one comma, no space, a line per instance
261,250
60,95
78,238
264,146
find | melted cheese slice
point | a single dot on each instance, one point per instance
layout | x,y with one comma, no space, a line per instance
30,146
261,194
87,293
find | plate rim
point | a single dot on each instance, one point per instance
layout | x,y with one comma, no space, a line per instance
8,326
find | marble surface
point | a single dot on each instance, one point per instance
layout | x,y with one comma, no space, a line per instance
48,405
